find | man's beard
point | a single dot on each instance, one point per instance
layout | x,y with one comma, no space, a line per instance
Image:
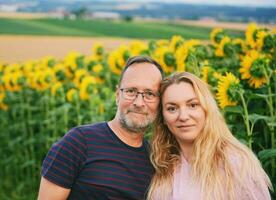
134,126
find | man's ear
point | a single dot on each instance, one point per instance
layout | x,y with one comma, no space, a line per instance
117,95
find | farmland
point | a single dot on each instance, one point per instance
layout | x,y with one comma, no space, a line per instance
56,37
102,28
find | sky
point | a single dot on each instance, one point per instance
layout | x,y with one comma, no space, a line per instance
247,3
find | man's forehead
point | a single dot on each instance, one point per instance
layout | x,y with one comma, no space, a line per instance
144,69
143,78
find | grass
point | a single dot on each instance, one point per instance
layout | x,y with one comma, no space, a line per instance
102,28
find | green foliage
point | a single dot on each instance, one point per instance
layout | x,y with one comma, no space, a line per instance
99,28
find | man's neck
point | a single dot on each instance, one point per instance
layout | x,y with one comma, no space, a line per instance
129,138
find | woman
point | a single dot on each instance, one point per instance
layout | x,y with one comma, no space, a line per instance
194,153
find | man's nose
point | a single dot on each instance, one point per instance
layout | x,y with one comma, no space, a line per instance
139,100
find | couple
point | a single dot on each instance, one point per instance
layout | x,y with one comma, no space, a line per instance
193,153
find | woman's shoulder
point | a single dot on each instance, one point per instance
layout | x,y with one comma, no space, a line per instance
234,157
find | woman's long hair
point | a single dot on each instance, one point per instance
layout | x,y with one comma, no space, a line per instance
219,161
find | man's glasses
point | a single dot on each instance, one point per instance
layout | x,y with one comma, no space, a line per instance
132,93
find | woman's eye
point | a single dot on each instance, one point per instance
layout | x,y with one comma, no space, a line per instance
171,109
193,105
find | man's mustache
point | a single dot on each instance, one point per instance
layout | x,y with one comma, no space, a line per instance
137,111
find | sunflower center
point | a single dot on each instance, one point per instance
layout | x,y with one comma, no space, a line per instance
257,67
233,91
169,59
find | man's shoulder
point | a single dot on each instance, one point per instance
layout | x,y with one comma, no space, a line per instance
97,125
98,128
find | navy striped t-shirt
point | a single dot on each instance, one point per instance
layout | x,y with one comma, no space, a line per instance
95,164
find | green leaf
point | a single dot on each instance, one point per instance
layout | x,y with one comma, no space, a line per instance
253,118
260,96
271,124
233,109
267,154
29,163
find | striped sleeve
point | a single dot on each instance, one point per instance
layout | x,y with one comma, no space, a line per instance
65,159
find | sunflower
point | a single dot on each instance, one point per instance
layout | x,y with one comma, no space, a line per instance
98,50
71,60
166,57
138,48
208,73
79,75
175,42
43,80
220,50
181,56
2,96
56,88
182,53
192,43
87,87
227,91
13,81
162,42
216,35
47,61
250,35
240,45
117,59
265,41
3,106
252,68
72,95
97,68
2,67
12,68
29,67
205,71
60,71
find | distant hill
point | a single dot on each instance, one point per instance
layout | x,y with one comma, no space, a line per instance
152,10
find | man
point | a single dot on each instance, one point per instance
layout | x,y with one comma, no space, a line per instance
108,160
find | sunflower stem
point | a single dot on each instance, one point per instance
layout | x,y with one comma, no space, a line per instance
271,111
246,120
78,112
65,113
195,65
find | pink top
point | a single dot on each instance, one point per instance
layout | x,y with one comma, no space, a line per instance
184,188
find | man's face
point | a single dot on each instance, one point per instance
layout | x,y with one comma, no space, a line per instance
136,115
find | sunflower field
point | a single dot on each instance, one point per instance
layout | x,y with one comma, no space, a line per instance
40,100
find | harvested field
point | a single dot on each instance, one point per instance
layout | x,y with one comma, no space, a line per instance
22,48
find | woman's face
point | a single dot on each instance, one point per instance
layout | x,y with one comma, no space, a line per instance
182,112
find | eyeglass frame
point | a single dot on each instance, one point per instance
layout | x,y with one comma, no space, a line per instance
156,95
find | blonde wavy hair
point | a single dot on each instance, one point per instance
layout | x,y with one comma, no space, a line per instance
214,151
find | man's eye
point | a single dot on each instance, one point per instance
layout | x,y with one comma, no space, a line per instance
149,94
130,91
